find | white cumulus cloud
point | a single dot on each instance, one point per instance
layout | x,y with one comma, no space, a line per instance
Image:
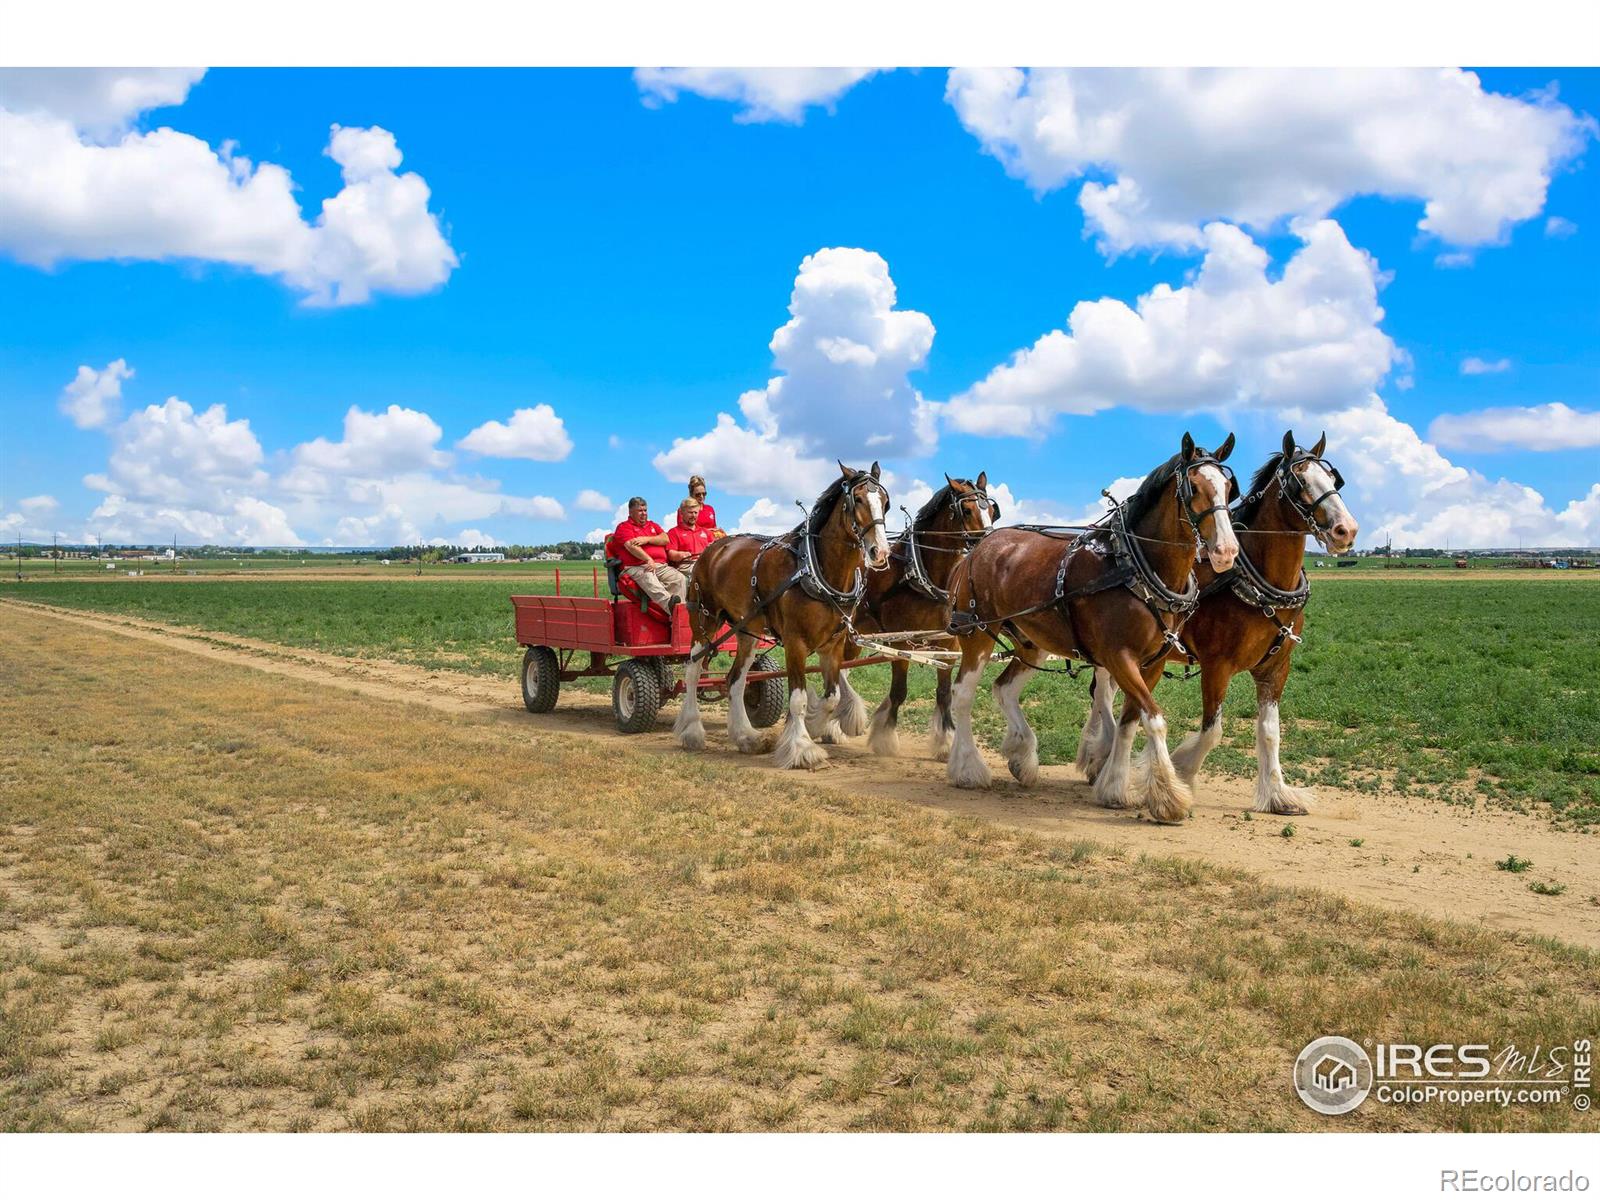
590,500
1165,151
1542,427
477,537
845,353
535,433
1474,365
1405,488
77,184
763,93
94,398
1234,336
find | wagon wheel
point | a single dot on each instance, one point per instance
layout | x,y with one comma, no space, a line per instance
541,679
664,667
765,701
636,695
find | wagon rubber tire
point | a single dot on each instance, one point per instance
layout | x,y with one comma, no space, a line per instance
541,679
636,695
765,702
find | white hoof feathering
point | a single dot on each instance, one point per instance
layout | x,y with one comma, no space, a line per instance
1189,757
965,767
850,711
795,749
1272,793
688,728
1166,797
1020,745
883,738
747,739
1099,728
1111,785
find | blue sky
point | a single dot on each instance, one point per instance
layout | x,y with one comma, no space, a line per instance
625,257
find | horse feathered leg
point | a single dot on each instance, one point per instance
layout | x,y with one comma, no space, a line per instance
1021,745
851,713
941,725
795,750
966,768
1273,794
1188,758
689,729
746,737
1099,728
1156,784
884,738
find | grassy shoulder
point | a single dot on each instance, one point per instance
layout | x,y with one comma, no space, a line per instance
1458,686
271,905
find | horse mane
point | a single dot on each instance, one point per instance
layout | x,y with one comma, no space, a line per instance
936,501
827,502
1151,490
1251,504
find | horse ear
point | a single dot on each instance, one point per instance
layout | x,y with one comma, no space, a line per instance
1322,444
947,478
983,481
874,469
844,471
1288,443
1188,446
1224,450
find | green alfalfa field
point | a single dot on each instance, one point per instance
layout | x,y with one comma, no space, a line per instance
1459,686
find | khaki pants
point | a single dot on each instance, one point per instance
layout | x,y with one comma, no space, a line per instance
660,585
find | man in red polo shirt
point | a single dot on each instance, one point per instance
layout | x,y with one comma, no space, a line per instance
686,539
642,546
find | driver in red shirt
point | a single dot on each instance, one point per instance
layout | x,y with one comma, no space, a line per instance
642,546
688,537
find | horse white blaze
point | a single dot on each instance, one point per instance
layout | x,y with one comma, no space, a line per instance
966,768
880,542
689,729
1222,547
1021,745
1332,513
795,749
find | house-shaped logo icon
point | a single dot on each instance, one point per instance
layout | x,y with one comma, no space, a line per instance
1333,1075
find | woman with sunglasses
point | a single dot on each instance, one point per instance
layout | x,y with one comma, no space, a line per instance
708,515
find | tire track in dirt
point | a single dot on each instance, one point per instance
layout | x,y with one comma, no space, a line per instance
1415,853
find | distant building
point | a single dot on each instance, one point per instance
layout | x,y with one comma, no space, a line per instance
598,556
488,556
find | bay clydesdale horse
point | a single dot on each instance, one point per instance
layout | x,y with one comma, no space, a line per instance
1111,596
1250,618
799,589
913,594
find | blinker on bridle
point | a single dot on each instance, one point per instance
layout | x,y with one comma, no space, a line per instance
1186,491
1293,487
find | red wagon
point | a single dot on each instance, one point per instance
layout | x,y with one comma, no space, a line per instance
635,646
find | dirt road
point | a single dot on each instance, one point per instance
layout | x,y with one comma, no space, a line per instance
1414,854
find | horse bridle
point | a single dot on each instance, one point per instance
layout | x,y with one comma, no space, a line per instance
1292,484
1186,492
858,530
916,573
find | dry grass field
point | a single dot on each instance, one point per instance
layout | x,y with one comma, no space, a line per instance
230,900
